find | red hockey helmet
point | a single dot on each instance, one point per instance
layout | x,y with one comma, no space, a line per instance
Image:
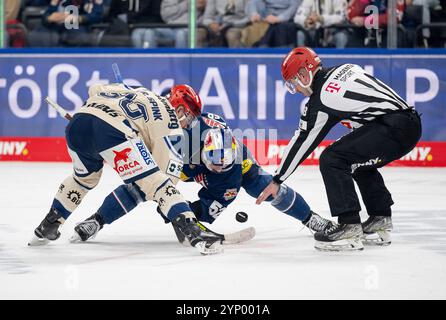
184,95
295,60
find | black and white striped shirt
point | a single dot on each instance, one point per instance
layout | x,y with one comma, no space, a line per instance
345,94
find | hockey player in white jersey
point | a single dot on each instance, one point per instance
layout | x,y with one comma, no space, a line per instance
384,128
136,132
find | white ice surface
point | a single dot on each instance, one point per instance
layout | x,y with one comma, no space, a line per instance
138,256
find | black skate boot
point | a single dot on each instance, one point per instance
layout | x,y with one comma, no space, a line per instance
187,228
210,234
48,230
87,229
340,237
316,223
377,231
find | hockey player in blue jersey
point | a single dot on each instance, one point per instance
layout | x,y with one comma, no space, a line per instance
214,158
225,166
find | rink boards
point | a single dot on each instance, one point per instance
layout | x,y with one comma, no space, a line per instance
244,86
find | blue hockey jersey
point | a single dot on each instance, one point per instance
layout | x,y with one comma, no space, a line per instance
219,189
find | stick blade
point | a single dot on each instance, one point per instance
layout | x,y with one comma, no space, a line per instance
240,236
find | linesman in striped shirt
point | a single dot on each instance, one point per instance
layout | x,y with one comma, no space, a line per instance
384,128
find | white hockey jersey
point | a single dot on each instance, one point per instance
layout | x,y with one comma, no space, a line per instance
143,113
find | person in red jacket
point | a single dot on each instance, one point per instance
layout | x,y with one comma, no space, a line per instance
373,15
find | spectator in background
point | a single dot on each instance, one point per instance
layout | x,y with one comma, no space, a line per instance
358,16
12,8
126,13
36,3
426,17
273,18
172,12
225,20
63,27
15,31
313,14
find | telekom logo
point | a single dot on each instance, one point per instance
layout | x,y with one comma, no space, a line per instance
333,87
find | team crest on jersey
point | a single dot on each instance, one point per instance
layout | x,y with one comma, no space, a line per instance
333,87
230,194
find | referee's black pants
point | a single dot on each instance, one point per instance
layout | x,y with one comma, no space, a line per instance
357,155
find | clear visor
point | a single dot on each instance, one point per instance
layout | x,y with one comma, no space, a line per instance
189,119
293,84
219,160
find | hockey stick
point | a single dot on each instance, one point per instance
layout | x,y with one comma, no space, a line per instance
117,73
232,238
118,76
59,109
239,236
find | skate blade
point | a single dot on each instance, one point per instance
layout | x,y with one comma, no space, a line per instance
379,238
341,245
204,249
75,238
36,241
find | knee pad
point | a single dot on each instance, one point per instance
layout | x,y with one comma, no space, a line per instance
90,181
291,203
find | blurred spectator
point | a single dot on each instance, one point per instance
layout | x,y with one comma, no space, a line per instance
12,8
15,31
125,14
225,20
313,14
172,12
37,3
359,16
426,16
273,19
136,11
61,26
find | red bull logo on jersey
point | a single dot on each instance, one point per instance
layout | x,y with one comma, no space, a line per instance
230,194
121,161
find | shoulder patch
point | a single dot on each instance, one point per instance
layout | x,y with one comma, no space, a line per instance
246,165
174,168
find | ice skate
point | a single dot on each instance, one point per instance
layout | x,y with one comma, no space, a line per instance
340,237
316,223
48,230
377,231
187,228
87,229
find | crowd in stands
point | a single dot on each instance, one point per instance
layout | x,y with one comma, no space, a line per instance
222,23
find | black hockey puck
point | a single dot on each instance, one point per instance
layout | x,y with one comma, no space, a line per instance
241,216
